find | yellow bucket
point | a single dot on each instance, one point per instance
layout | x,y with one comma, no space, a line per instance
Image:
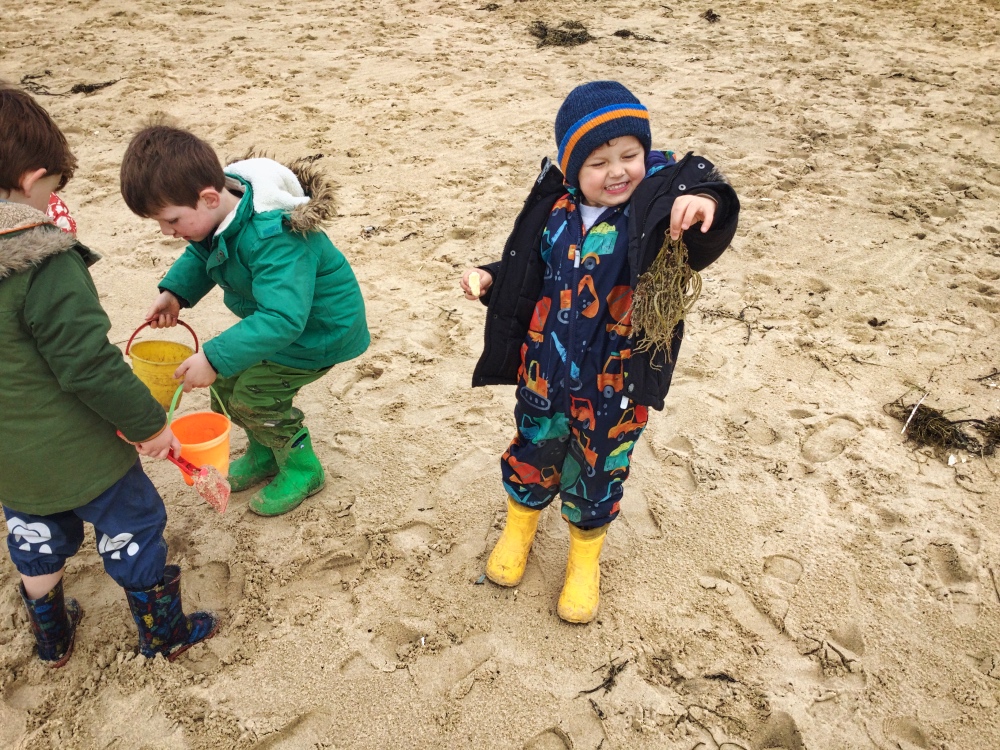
204,435
154,363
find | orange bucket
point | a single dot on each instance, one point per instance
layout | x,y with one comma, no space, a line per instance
204,435
154,362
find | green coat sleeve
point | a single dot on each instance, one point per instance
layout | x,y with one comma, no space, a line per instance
283,269
188,277
70,329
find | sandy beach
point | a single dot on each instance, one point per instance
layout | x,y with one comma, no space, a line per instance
788,572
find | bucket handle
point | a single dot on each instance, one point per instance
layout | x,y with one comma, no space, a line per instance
179,322
177,396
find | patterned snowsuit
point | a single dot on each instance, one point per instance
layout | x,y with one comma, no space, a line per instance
576,429
583,393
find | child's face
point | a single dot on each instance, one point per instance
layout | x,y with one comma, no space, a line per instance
612,172
190,224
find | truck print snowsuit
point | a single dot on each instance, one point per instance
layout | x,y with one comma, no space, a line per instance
576,429
562,296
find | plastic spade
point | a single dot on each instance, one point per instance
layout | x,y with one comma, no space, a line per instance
208,482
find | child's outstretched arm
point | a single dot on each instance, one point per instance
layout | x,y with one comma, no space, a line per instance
706,215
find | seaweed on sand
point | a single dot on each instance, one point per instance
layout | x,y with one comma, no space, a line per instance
927,426
566,34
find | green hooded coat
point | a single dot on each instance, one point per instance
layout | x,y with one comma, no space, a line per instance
64,388
298,299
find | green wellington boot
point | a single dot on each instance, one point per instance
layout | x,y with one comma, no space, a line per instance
253,467
300,474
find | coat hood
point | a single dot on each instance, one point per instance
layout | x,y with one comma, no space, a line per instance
300,189
28,237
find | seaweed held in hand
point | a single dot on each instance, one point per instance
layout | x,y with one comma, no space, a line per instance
663,297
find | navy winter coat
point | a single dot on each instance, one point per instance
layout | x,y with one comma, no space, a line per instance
518,276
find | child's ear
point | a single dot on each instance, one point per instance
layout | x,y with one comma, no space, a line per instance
211,197
30,179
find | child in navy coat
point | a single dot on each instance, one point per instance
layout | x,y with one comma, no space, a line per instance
558,324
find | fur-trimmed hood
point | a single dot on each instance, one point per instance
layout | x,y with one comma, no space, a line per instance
300,189
28,237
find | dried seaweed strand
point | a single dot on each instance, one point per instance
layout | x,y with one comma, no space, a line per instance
663,296
910,418
931,427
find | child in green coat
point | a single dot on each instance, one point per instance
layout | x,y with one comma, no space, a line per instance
253,229
66,392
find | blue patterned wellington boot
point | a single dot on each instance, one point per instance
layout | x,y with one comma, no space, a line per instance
53,621
163,626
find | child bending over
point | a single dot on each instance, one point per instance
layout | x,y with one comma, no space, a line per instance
253,229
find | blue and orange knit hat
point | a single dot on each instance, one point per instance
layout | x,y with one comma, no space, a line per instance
593,114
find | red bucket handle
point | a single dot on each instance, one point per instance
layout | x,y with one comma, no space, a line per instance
179,322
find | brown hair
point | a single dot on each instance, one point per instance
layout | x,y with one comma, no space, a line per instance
167,166
30,140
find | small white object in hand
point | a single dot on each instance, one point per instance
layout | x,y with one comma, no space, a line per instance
474,283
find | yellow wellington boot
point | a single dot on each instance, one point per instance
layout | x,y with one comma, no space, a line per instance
581,593
506,564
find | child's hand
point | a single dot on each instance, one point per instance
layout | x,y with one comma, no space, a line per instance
485,282
164,312
197,372
688,210
158,447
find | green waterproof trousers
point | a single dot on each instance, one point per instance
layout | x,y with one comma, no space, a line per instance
259,400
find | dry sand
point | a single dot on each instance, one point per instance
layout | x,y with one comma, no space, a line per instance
787,572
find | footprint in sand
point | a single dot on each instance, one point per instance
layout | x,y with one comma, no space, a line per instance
310,729
673,456
211,585
383,646
414,537
846,645
703,365
753,426
451,671
989,665
741,606
638,515
829,439
552,738
779,732
897,733
471,467
954,581
781,576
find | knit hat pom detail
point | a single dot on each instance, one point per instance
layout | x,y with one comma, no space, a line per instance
593,114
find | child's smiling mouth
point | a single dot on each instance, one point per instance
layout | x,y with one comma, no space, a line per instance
618,187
